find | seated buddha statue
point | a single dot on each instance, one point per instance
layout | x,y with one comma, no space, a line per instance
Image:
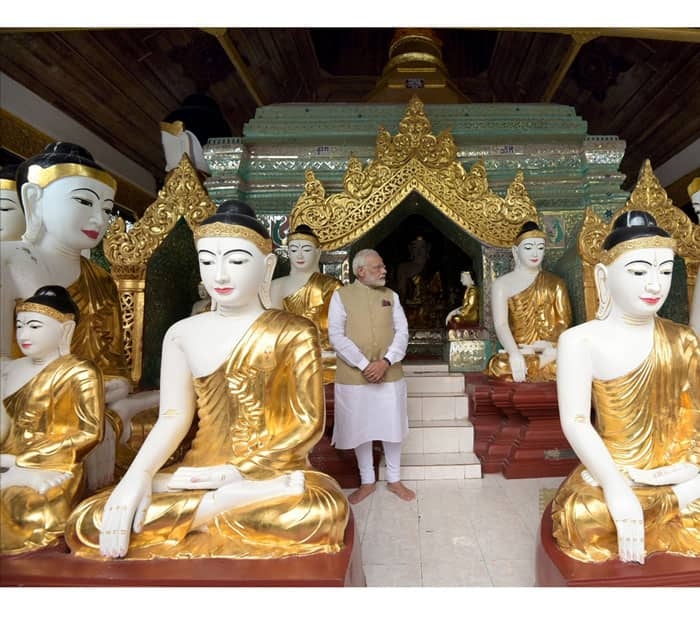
694,192
637,489
531,308
420,286
65,195
306,291
467,315
52,417
12,224
254,377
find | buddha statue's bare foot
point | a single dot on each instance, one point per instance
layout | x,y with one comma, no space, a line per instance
401,491
362,493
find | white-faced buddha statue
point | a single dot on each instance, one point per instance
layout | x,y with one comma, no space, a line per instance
530,308
254,378
306,291
637,489
52,417
12,223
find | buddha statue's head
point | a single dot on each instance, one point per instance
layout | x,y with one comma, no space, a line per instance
65,195
45,323
188,128
304,249
636,266
529,247
236,262
694,193
466,279
12,224
419,249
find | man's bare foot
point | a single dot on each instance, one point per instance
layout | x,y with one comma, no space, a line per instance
362,493
401,491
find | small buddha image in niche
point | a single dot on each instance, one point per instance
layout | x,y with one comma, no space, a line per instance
466,315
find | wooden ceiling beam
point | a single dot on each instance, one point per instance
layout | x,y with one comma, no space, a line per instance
231,51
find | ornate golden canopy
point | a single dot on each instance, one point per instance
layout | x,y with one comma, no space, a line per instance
648,195
413,160
128,253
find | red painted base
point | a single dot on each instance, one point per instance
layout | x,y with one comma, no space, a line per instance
517,428
57,567
554,568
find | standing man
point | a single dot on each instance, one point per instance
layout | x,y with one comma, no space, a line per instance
368,329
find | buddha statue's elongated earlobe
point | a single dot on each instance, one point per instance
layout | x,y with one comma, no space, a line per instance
67,330
516,258
264,292
30,195
601,284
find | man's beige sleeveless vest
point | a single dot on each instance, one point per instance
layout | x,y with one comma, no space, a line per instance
370,326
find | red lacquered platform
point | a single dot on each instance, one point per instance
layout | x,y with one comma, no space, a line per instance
57,567
554,568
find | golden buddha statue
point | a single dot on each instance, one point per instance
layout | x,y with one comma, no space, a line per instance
66,196
420,287
254,376
531,308
306,291
637,489
466,315
52,417
12,223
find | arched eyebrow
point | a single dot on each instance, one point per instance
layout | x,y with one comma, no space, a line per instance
632,262
34,321
205,251
93,192
233,251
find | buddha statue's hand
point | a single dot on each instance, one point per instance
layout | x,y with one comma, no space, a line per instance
125,511
517,366
627,514
548,354
664,475
116,389
204,477
39,480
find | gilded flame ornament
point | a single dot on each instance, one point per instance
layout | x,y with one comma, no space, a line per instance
413,159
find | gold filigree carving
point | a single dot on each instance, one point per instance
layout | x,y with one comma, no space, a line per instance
413,160
128,253
648,195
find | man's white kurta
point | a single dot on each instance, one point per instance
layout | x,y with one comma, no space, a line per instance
375,411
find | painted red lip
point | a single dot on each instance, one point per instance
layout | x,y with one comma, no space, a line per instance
25,345
655,300
93,234
224,291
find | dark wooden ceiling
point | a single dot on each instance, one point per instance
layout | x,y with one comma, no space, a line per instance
120,83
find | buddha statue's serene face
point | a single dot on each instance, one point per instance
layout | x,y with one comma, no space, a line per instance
303,255
530,253
639,280
419,250
12,224
466,279
38,335
232,269
72,210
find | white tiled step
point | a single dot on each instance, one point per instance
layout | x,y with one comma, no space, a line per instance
438,384
437,406
436,466
439,436
427,368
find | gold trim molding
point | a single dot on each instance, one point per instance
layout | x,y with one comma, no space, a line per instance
648,195
413,160
128,253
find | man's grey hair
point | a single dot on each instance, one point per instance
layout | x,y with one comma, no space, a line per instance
360,259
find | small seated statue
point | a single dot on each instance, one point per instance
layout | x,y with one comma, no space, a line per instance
694,192
420,286
467,315
12,223
254,376
306,291
637,489
531,308
66,196
52,417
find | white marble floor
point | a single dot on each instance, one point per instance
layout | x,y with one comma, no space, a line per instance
467,532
